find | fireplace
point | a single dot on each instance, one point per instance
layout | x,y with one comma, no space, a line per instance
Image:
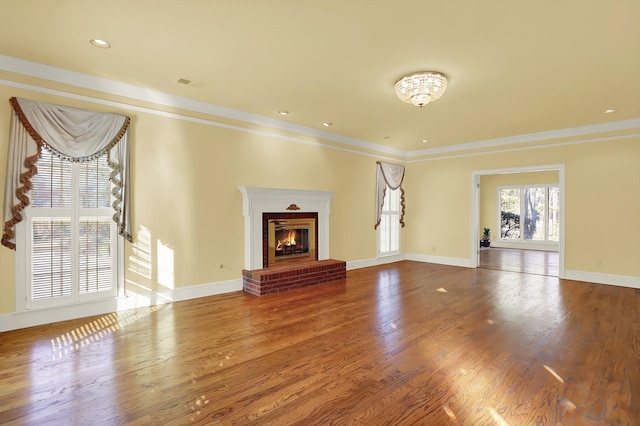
288,204
286,235
289,238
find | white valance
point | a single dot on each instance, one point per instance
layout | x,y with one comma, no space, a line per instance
71,134
390,175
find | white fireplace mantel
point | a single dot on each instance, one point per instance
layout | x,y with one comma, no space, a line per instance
256,201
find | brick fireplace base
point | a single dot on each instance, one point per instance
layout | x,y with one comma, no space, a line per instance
261,282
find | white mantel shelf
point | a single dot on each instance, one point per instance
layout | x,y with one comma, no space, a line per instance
256,201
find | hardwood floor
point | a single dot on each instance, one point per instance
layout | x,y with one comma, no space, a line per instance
514,260
404,343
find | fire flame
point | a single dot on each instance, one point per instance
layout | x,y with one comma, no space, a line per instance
290,240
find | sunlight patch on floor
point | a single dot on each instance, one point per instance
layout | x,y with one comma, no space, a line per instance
449,412
497,417
553,373
95,330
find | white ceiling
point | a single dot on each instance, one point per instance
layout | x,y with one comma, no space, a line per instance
515,67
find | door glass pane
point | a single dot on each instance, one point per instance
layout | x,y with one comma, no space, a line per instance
533,203
510,213
554,213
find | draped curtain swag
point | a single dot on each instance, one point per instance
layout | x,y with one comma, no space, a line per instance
71,134
388,175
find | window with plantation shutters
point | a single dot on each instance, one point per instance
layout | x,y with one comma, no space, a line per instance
389,228
71,246
389,207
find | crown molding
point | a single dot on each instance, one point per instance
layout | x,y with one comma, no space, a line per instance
526,148
72,78
206,122
633,123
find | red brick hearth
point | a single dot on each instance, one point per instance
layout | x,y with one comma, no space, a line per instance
261,282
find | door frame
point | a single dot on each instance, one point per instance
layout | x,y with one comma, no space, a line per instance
475,208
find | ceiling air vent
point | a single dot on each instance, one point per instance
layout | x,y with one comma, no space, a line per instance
191,83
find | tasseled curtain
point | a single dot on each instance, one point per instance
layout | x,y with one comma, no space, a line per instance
71,134
390,175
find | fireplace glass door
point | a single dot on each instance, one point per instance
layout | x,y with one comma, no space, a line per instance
291,240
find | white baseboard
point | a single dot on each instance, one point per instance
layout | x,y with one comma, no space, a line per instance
526,246
365,263
34,317
440,260
610,279
140,300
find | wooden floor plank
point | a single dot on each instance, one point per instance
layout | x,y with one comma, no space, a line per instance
516,260
404,343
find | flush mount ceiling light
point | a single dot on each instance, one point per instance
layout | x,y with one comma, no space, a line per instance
100,43
420,88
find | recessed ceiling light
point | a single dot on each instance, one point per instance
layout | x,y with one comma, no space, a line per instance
283,112
99,43
424,141
327,124
386,137
609,111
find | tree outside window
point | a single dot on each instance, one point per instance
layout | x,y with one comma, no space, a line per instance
530,213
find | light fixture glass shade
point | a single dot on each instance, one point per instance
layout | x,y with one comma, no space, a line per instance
421,88
100,43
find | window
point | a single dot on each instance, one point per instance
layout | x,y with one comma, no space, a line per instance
529,213
389,228
69,247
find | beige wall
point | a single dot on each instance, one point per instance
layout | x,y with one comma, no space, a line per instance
489,196
185,177
601,179
185,197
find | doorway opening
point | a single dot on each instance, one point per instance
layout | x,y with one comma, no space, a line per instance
509,255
